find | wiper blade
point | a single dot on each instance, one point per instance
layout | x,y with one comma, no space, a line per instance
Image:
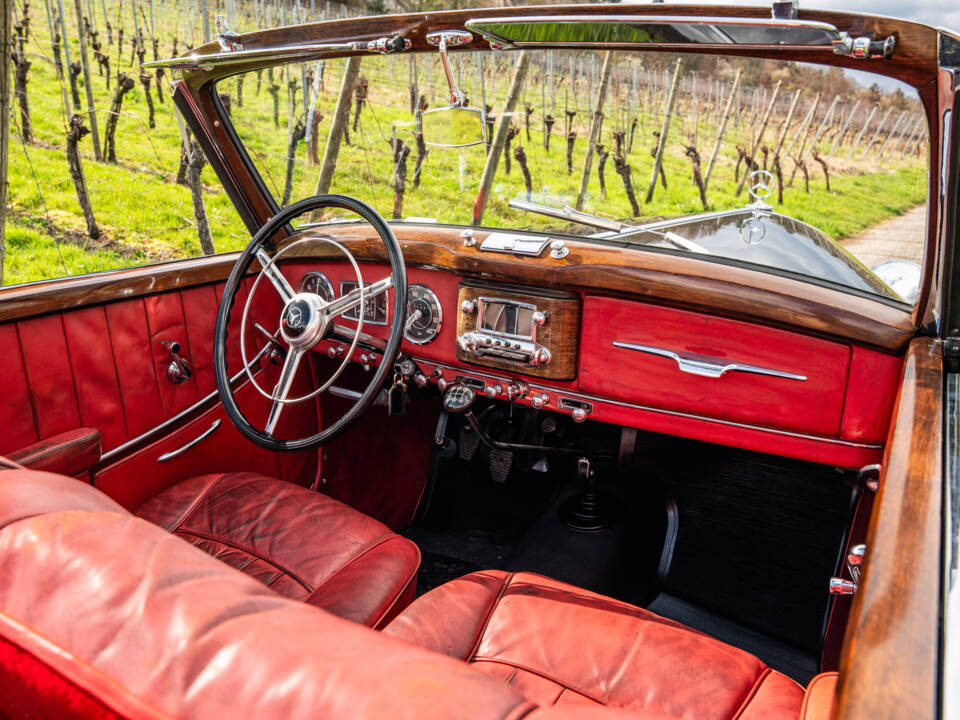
571,214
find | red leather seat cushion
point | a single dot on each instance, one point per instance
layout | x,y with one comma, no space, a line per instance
301,544
558,644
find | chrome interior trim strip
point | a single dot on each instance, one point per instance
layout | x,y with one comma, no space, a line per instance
346,393
596,399
706,366
196,441
288,53
166,425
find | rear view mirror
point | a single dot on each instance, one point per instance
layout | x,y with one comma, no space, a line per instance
453,127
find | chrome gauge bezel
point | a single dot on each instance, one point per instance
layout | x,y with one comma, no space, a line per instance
431,297
322,282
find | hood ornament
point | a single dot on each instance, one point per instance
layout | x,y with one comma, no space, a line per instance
760,185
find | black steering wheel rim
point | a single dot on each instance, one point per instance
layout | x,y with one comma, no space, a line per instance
261,239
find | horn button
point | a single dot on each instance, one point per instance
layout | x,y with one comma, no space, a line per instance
303,321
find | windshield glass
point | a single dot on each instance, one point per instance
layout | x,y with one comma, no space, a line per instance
793,168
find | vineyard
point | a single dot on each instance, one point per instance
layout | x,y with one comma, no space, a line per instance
672,134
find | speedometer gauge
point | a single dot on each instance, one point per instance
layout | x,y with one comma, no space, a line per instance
424,315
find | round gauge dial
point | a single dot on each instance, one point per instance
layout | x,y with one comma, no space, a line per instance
424,315
318,284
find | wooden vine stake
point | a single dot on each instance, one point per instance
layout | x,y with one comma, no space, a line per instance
74,134
400,153
595,124
6,40
21,67
500,138
124,85
721,130
337,126
662,143
763,127
88,84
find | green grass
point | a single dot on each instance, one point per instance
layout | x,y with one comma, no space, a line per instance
147,217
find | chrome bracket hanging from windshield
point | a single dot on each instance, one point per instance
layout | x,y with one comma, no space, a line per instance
227,39
864,47
444,39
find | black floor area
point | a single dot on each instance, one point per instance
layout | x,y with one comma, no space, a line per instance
754,535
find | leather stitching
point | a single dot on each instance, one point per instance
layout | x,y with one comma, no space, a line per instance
52,450
403,590
369,548
486,621
236,546
196,503
752,693
539,673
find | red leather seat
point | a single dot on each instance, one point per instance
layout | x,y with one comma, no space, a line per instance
301,544
558,644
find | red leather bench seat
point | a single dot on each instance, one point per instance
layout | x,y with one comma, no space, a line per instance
302,544
558,644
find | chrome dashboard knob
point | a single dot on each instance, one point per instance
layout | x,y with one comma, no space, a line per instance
559,249
542,357
493,391
578,414
517,390
539,317
420,379
539,401
467,307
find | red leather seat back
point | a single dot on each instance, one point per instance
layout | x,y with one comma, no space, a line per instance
103,613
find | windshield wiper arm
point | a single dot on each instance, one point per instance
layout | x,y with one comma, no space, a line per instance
573,215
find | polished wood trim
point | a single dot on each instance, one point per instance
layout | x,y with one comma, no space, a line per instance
679,281
915,57
50,296
675,280
890,662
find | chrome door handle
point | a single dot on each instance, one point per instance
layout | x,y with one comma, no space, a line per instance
193,443
707,366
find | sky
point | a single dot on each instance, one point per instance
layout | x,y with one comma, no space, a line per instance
945,13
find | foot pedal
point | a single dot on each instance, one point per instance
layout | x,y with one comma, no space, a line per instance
500,463
469,441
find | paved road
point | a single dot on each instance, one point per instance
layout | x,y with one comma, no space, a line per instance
900,237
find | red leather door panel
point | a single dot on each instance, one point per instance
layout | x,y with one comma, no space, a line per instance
104,367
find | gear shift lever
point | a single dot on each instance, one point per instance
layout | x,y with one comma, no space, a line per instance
584,511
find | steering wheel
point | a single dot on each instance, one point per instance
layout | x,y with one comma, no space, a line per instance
307,319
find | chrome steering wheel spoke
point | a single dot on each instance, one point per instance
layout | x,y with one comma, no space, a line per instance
355,297
276,278
282,389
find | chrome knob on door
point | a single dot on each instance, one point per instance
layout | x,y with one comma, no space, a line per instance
179,369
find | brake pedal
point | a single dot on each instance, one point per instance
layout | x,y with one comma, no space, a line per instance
500,463
468,443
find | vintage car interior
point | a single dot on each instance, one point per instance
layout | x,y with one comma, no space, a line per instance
444,470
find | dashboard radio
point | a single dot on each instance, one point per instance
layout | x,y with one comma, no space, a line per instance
530,331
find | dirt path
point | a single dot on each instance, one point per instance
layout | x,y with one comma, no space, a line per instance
900,237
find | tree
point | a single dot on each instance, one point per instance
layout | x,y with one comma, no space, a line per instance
6,45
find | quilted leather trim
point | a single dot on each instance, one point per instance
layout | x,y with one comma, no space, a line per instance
201,496
248,551
471,656
752,693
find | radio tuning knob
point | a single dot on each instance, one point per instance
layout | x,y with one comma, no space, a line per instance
542,357
538,401
579,414
467,307
539,317
493,391
420,379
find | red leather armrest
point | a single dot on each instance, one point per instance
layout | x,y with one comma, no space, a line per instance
819,701
69,453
